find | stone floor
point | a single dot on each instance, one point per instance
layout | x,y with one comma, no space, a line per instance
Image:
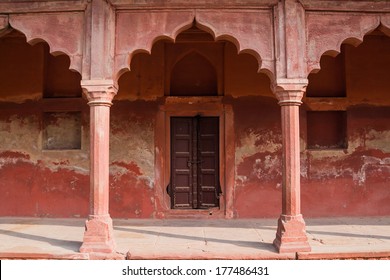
26,238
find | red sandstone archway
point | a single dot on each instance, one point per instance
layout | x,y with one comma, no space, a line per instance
147,83
326,33
41,107
345,126
256,40
61,32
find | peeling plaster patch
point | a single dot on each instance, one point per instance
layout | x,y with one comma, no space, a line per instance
22,134
133,141
369,162
370,139
378,140
117,172
19,132
269,166
366,157
240,180
257,142
325,165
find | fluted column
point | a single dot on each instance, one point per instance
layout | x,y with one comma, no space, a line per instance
98,235
291,232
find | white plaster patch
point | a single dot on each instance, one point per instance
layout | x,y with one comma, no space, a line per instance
269,143
133,141
22,134
270,166
378,140
368,162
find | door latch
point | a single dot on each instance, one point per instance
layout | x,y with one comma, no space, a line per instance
191,162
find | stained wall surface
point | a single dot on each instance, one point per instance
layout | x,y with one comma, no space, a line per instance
336,181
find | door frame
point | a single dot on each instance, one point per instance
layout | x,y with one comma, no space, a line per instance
190,107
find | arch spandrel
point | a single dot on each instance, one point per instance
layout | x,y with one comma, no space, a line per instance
250,31
3,22
326,32
385,24
137,32
62,32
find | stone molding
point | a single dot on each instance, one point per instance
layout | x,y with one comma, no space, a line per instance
290,91
99,92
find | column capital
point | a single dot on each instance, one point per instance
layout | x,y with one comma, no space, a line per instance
290,91
99,92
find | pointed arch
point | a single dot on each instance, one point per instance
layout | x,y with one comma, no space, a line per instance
193,75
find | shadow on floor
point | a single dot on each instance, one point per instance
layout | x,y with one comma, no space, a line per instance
248,244
354,235
65,244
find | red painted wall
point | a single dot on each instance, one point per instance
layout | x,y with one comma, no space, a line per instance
335,182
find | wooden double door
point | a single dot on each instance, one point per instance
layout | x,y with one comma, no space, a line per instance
194,162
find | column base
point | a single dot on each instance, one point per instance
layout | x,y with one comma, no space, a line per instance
291,235
98,235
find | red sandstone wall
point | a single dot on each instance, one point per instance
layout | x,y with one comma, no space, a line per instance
35,181
258,157
351,181
132,159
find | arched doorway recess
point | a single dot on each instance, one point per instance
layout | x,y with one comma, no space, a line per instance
232,76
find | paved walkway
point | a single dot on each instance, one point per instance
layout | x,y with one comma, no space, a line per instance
196,239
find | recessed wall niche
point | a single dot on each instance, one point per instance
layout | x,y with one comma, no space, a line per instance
61,130
326,130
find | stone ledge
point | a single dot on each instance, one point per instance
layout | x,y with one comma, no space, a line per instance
42,256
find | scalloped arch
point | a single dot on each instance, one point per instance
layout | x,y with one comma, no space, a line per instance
326,34
173,23
230,38
47,27
34,41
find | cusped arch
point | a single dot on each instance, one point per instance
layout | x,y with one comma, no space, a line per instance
326,34
168,25
230,38
35,41
61,32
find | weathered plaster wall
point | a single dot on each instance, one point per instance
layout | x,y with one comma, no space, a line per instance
350,181
258,157
35,181
353,180
132,159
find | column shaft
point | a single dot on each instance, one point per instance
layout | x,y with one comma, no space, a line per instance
291,232
98,235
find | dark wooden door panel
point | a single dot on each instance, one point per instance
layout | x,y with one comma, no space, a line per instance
208,173
181,149
194,162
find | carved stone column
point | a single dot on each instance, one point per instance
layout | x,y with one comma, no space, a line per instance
291,232
98,236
